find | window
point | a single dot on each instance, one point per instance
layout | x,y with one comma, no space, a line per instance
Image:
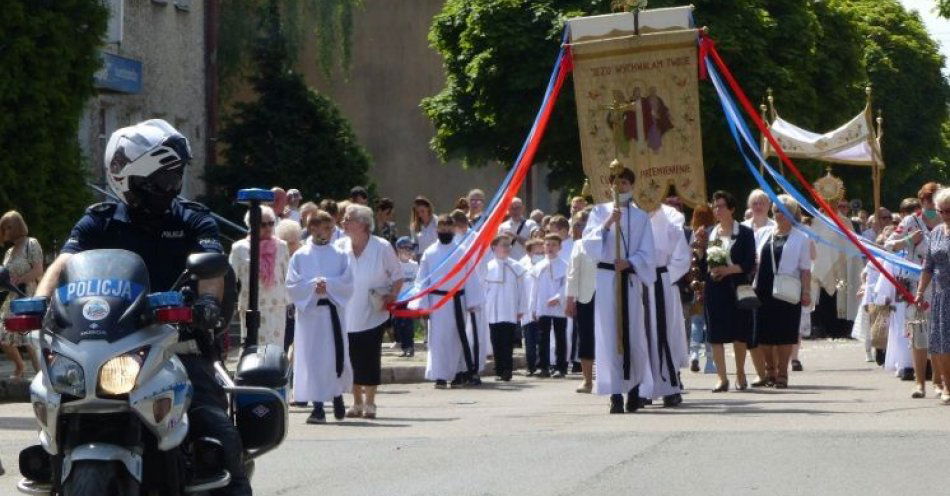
114,27
183,5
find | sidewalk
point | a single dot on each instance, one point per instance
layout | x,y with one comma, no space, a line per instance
395,370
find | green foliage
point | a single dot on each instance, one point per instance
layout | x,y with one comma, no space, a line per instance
48,55
329,22
291,135
903,65
816,56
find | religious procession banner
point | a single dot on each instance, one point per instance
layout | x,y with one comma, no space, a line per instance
638,102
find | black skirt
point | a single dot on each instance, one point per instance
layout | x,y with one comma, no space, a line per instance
584,325
776,321
366,356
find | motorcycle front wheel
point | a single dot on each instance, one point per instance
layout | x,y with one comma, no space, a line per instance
99,478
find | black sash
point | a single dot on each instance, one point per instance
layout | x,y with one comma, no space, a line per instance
624,297
337,333
663,341
460,326
518,231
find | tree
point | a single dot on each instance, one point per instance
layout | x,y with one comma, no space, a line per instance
498,53
330,22
290,135
903,65
48,55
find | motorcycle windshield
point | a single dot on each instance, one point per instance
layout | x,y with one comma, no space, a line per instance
101,295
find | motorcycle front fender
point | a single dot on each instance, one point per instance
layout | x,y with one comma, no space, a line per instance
106,453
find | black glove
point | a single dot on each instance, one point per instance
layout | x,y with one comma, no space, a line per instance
206,313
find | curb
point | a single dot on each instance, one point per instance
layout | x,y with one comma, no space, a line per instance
14,391
412,374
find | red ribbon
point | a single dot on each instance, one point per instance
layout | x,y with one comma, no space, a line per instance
487,232
708,48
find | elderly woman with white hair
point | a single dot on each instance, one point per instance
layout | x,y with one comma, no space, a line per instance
758,220
782,283
377,279
272,296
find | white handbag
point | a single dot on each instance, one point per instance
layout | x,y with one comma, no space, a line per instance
785,287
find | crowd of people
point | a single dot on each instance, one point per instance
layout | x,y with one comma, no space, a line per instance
626,322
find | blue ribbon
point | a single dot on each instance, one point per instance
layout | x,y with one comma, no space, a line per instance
741,134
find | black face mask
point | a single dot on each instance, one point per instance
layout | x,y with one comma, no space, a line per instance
151,197
446,237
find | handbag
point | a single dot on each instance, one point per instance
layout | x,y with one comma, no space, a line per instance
746,299
880,316
785,287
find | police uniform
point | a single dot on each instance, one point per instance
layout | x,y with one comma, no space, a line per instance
186,228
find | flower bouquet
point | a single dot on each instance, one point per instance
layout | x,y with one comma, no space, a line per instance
716,255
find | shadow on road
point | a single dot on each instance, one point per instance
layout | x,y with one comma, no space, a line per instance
18,423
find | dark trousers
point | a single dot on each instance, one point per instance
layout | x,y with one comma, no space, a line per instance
575,342
404,329
531,345
502,345
559,324
208,417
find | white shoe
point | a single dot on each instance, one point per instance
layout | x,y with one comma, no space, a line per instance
369,411
945,397
585,389
355,411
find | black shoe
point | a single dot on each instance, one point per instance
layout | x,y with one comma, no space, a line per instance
506,377
796,366
339,408
411,353
633,400
694,365
672,400
645,402
530,373
616,403
318,416
906,374
576,368
458,381
879,356
441,384
474,380
544,374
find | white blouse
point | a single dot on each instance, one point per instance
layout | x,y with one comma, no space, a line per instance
374,273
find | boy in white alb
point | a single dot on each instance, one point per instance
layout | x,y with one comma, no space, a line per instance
547,300
534,249
505,302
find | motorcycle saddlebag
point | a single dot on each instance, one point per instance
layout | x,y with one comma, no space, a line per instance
261,418
264,366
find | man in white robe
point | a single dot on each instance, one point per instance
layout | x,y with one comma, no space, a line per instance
669,350
452,354
622,361
319,282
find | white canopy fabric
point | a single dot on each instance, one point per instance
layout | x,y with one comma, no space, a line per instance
853,143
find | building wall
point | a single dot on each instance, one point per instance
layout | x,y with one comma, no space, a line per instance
170,43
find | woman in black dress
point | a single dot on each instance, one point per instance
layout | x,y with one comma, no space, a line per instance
786,251
725,321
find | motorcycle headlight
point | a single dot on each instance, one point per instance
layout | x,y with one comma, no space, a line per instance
118,375
67,376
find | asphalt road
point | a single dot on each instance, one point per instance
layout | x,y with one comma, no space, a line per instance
843,427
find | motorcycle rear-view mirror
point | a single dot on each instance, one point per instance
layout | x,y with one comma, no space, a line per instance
207,265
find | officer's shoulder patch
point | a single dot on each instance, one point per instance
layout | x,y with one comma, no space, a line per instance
104,208
193,205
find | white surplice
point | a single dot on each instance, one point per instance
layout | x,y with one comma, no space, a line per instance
672,252
315,377
445,357
637,248
504,291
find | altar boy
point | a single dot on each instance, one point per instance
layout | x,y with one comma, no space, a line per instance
505,302
546,302
319,282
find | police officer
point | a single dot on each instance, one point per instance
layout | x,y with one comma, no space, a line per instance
144,166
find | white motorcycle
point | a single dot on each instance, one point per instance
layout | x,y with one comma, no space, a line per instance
112,397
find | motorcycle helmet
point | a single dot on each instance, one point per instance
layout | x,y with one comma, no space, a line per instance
145,165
